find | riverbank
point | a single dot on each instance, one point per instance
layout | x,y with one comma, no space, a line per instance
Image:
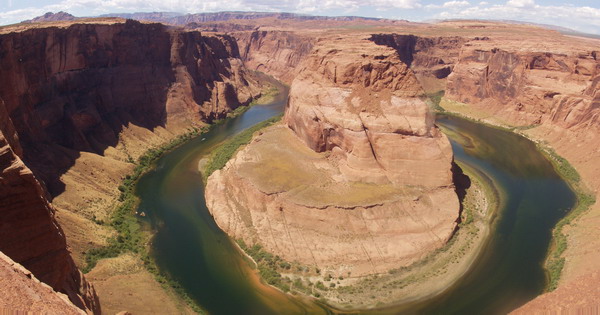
437,271
124,264
424,278
583,185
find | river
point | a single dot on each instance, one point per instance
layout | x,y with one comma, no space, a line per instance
508,272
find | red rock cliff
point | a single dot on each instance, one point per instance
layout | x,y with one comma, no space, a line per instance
30,235
70,92
528,87
277,53
356,179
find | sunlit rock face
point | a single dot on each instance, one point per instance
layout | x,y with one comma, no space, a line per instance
355,179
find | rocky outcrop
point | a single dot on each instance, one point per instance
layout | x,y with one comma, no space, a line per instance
75,98
277,53
74,89
528,87
23,293
358,179
368,108
52,17
432,59
30,234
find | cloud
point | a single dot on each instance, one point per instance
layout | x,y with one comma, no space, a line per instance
521,3
96,7
449,5
583,19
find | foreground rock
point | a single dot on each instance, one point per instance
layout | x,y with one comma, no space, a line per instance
31,235
357,179
22,293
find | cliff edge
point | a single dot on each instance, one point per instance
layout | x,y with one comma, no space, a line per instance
356,179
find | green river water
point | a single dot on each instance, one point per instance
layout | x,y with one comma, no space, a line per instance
508,272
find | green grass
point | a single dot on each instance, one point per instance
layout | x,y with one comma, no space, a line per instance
129,235
555,261
224,152
435,99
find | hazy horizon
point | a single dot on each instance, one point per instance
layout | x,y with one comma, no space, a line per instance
583,16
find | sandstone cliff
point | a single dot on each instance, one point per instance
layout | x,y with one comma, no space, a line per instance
528,87
432,59
357,179
22,293
277,53
30,234
78,101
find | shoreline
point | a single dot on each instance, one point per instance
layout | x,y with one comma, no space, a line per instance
458,255
457,261
134,236
554,262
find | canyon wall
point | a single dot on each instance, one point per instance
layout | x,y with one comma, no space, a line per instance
432,59
22,293
356,179
277,53
78,103
528,87
30,234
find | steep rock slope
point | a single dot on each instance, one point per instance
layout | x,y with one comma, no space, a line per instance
277,53
22,292
431,58
30,234
357,179
78,101
528,87
76,88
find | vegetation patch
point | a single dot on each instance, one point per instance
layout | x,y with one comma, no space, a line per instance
555,262
434,100
224,152
129,233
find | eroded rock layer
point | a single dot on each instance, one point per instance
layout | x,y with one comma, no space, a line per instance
22,293
30,234
357,178
78,102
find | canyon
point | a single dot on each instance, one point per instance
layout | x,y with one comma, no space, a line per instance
357,180
81,100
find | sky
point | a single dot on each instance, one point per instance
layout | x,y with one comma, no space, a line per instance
580,15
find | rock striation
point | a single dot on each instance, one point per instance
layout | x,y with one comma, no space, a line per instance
358,179
74,89
30,234
521,85
23,293
76,96
277,53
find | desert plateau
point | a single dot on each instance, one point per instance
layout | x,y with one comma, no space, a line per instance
246,162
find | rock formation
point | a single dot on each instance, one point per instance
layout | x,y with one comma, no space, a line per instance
277,53
52,17
358,180
521,86
22,293
77,101
30,234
